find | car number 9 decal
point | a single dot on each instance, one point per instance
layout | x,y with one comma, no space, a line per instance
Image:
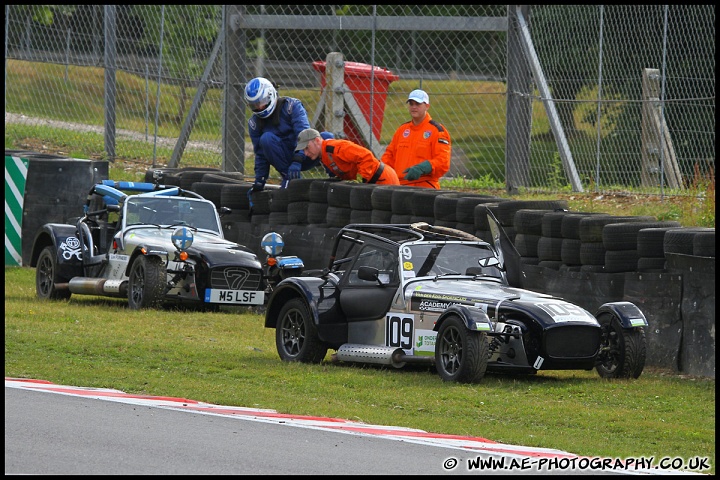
399,331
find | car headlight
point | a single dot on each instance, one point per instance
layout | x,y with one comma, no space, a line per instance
182,238
272,243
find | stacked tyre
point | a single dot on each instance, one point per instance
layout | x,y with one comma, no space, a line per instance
298,201
317,205
338,199
570,234
445,209
621,244
278,215
465,210
401,204
361,202
505,211
592,248
381,200
423,205
528,228
695,241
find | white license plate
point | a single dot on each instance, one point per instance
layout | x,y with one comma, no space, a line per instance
234,297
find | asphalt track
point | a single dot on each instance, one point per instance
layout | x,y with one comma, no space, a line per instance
65,430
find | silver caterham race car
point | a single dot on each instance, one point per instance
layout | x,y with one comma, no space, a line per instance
154,245
422,294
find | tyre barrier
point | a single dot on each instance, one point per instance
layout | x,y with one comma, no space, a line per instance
678,300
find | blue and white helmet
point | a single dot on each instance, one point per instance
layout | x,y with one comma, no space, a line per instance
261,96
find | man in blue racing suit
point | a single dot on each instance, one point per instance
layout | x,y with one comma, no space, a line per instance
274,127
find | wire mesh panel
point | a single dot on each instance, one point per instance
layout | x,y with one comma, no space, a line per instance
547,98
635,91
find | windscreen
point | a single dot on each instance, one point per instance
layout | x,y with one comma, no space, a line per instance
430,259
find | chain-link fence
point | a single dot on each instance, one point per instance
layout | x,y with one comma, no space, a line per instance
547,98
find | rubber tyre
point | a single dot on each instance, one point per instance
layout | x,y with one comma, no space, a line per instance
460,355
46,277
465,210
704,244
295,336
624,236
621,261
529,221
338,194
381,198
146,283
423,202
445,207
622,350
549,248
650,242
551,224
280,200
361,196
527,244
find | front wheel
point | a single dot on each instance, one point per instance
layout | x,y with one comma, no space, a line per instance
295,335
146,285
460,355
47,278
622,350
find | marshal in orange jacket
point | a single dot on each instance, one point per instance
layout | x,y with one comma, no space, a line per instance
346,160
413,144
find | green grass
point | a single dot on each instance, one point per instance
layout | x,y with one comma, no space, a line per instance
229,358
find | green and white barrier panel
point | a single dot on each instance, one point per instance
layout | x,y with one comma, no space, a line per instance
16,170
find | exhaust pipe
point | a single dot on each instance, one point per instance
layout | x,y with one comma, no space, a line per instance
379,355
98,286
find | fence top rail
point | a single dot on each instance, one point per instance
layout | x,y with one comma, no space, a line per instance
355,22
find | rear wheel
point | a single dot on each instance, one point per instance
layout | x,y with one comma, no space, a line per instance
295,335
146,285
622,350
46,277
460,355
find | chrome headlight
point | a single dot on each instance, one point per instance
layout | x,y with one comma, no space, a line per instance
272,243
182,238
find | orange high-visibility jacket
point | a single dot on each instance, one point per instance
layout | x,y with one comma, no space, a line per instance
346,160
412,144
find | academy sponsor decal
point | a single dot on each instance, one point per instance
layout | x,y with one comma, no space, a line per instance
436,302
430,305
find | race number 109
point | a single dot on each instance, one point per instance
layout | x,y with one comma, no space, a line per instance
399,332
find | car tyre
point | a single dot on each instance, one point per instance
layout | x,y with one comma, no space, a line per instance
622,350
460,355
295,336
146,283
47,278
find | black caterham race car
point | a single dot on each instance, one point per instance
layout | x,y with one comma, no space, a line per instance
153,245
422,294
